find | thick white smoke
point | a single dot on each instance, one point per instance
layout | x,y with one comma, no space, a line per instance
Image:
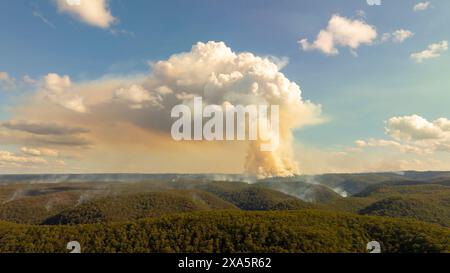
213,71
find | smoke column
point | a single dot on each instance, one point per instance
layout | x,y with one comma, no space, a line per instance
213,71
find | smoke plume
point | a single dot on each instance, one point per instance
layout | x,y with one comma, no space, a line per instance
213,71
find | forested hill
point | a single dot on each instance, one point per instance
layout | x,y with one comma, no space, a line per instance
233,231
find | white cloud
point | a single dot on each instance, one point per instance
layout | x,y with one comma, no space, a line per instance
375,143
414,143
422,6
58,89
413,128
413,134
398,36
443,123
367,159
401,35
93,12
342,32
39,152
383,143
57,84
138,97
433,51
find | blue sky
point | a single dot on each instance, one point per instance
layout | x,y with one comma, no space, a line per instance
357,93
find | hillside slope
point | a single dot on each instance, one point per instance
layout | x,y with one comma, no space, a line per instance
417,200
409,207
251,197
128,207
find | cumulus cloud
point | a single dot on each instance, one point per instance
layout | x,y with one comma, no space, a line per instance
413,134
421,6
433,51
58,89
443,124
93,12
341,32
413,128
412,143
398,36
